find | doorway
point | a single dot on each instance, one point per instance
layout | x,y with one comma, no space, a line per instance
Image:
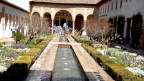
128,30
62,22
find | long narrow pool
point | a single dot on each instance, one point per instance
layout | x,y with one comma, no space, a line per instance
67,67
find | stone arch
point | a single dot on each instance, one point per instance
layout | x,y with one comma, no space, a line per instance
36,19
79,22
35,13
67,10
90,19
47,17
63,15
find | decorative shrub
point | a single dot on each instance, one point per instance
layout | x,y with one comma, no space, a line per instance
32,43
18,36
40,46
39,40
78,39
23,41
1,45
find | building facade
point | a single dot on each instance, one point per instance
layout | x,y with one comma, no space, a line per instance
12,18
125,15
73,12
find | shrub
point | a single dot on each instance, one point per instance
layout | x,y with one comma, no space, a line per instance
32,44
23,41
78,39
18,36
26,60
39,40
1,45
40,46
119,73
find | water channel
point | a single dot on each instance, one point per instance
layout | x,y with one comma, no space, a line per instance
67,66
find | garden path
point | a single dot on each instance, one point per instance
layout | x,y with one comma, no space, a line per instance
42,68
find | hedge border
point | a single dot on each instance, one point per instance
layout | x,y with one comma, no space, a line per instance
116,71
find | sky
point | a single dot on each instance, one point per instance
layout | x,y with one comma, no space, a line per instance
22,3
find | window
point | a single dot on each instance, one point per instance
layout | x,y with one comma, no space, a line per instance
108,7
116,4
121,3
112,6
105,8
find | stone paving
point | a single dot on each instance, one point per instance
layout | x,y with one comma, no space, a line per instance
8,40
42,68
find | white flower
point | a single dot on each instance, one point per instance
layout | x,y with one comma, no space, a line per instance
133,54
118,47
102,51
112,57
141,58
136,71
2,69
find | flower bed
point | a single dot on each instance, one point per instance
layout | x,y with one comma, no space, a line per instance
131,61
21,67
114,69
8,55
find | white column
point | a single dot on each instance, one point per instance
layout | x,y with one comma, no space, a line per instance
85,23
0,29
73,27
7,27
3,26
52,25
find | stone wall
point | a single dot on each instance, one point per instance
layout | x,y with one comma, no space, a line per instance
126,8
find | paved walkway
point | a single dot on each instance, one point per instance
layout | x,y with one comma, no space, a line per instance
42,69
8,40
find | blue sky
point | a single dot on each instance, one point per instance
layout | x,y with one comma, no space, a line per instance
22,3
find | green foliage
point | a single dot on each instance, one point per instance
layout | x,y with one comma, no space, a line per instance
40,46
39,40
85,37
23,41
18,36
32,44
119,73
45,33
78,39
1,45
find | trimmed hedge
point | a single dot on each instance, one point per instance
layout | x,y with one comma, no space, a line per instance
77,38
20,68
116,71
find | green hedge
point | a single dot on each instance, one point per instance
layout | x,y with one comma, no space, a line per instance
116,71
77,38
20,68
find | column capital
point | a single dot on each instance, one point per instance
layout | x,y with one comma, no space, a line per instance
73,20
